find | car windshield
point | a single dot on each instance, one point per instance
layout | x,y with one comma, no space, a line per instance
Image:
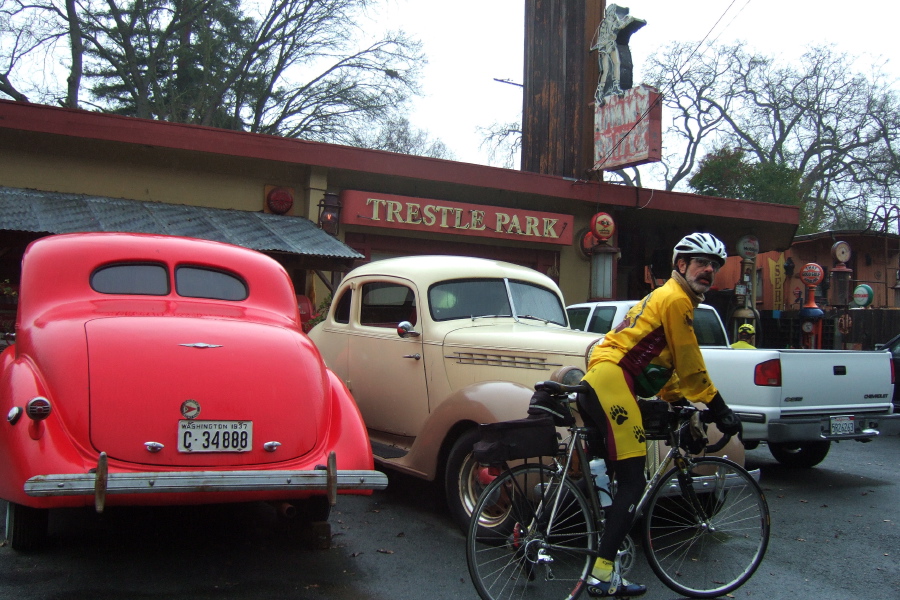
472,298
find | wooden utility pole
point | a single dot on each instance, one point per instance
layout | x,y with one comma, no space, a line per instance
561,75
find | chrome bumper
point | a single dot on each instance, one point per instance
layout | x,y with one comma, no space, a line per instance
809,429
101,482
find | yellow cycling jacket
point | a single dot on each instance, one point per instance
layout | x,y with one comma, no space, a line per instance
656,345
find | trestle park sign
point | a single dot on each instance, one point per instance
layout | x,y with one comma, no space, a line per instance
444,216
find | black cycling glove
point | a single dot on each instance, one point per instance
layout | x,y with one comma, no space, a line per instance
724,418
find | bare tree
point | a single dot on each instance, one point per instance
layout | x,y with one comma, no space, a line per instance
503,142
396,134
298,68
834,126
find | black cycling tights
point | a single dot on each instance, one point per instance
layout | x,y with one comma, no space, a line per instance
630,482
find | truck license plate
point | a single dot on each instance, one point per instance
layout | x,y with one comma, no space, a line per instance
842,426
215,436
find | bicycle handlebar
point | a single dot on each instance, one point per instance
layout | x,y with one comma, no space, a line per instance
554,387
706,417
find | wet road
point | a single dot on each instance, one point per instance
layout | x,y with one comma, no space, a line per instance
835,536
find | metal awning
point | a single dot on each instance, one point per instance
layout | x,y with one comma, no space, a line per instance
51,212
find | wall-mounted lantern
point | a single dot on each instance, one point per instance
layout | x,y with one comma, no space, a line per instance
330,214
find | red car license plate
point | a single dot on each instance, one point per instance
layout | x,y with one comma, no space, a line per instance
842,426
215,436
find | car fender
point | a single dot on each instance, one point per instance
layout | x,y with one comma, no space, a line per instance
481,402
25,456
347,435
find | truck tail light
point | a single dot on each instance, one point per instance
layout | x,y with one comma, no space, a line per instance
768,373
38,408
893,373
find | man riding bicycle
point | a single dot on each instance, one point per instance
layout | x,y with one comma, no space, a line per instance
654,351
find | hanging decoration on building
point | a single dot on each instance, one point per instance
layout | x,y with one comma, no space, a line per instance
279,200
613,54
627,121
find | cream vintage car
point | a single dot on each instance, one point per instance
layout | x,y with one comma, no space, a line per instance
431,346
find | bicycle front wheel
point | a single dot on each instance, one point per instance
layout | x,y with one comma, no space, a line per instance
543,549
706,532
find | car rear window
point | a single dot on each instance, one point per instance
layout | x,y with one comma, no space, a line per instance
198,282
131,278
708,328
148,279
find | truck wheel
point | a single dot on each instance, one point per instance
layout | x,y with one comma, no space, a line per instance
801,455
464,479
26,527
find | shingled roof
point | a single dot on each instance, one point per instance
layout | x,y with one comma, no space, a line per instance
50,212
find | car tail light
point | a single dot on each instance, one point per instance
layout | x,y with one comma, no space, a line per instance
38,408
768,373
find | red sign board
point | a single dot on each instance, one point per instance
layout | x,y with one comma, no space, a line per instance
443,216
628,130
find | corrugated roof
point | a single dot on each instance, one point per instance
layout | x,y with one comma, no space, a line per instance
50,212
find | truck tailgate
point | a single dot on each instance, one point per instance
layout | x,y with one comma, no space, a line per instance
815,381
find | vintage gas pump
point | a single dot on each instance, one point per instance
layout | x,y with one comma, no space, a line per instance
840,288
811,315
745,290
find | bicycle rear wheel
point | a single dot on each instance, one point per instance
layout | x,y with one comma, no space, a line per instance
528,554
708,541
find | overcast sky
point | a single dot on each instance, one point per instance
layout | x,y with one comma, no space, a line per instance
469,43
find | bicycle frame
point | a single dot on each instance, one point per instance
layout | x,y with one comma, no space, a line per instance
676,456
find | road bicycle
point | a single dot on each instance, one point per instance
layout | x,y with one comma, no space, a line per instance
535,528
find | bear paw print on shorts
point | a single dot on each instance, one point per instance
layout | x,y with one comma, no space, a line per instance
639,434
619,414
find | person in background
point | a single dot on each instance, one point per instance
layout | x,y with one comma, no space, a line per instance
745,337
654,351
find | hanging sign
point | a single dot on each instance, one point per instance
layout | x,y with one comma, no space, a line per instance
812,274
602,226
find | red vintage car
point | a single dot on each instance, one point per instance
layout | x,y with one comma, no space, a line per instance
156,370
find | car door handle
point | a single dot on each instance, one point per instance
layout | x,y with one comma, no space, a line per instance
415,356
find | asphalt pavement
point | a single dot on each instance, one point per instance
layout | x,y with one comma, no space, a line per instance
835,536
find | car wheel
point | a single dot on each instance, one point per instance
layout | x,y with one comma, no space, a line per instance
804,456
464,479
316,508
26,527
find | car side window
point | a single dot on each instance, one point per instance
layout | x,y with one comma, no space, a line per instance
342,308
386,304
131,278
601,322
197,282
578,317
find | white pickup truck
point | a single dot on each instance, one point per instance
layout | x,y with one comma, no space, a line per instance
798,401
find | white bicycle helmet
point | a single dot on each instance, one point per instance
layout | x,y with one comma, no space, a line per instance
700,244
